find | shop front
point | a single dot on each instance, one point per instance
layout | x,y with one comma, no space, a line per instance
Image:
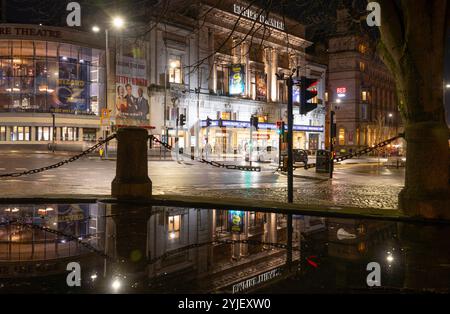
233,137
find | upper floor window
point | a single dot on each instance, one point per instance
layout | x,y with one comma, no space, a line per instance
362,48
175,70
362,66
364,96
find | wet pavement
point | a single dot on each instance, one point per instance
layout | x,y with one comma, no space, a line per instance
165,249
357,185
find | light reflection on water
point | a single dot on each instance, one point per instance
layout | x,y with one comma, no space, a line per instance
169,250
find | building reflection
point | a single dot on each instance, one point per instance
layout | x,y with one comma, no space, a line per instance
27,249
169,249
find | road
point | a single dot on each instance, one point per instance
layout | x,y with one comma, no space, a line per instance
360,185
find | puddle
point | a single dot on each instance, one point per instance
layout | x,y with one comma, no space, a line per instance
123,249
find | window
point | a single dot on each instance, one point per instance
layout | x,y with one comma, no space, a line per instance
342,137
20,133
2,133
44,134
175,70
174,227
364,112
69,134
326,96
364,96
362,48
362,66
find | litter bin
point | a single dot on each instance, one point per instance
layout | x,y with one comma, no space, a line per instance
323,161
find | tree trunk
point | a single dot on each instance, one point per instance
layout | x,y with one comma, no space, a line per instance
413,45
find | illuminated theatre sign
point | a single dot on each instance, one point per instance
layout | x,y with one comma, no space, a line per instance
26,31
258,16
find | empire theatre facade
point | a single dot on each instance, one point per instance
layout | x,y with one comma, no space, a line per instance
208,68
51,84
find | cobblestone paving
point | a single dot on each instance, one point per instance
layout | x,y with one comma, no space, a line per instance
384,197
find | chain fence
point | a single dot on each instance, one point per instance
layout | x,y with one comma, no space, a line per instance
204,161
359,153
61,163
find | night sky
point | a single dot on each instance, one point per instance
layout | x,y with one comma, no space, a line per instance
48,12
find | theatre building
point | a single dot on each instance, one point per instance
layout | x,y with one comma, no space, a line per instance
213,70
51,84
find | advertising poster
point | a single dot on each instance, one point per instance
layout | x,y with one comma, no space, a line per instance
261,87
72,93
132,100
237,79
236,221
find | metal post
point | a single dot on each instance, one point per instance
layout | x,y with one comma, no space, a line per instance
108,75
207,143
177,146
250,146
290,84
54,132
332,113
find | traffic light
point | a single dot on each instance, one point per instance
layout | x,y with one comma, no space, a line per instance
307,93
208,122
220,123
182,120
254,122
284,133
280,131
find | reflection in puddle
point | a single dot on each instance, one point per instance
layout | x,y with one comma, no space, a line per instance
188,250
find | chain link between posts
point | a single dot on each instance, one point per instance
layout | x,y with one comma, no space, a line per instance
61,163
359,153
204,161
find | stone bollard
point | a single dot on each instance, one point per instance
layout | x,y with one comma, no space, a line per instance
132,181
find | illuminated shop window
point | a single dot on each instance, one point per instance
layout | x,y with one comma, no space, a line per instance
174,227
44,134
175,70
20,133
69,134
2,133
341,137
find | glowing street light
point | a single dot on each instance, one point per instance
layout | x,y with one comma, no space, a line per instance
118,22
96,29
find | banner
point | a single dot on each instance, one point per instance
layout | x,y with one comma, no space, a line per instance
72,92
261,87
237,80
236,221
132,100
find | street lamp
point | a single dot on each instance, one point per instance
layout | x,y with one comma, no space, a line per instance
118,23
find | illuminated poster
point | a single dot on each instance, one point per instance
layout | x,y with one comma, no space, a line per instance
236,221
72,92
261,86
237,79
132,100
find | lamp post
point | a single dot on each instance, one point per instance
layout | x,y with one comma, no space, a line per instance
117,23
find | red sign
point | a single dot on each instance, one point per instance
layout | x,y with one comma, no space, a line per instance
341,91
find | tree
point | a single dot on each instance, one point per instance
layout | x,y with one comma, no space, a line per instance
412,46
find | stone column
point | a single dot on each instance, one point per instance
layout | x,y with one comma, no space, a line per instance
268,71
132,179
274,89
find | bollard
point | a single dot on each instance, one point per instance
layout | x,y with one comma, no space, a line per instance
132,181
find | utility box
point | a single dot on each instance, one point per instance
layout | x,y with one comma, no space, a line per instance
323,161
